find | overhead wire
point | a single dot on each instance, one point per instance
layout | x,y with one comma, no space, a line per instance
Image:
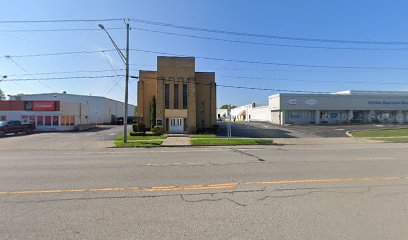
269,44
246,34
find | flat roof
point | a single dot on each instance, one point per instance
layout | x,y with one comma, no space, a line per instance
348,92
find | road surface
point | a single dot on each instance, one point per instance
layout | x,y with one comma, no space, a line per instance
326,191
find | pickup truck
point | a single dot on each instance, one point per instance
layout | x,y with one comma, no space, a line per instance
15,127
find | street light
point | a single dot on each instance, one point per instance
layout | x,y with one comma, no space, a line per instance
125,59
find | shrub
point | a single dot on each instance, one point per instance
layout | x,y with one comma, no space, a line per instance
139,128
158,130
137,133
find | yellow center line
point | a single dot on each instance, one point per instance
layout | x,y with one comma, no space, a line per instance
202,187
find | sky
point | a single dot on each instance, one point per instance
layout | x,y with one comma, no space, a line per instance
298,65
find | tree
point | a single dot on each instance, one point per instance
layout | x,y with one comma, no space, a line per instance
153,113
228,106
2,95
135,111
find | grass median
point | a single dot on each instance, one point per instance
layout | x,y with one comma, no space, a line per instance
387,135
139,143
148,136
229,141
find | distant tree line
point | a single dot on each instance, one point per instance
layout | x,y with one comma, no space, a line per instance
228,106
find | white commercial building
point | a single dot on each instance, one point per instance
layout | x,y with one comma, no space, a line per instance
61,111
344,107
340,108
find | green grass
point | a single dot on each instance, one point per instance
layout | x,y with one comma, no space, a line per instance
393,140
146,137
231,141
382,133
203,136
139,144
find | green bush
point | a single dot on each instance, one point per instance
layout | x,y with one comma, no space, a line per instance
158,130
137,133
139,128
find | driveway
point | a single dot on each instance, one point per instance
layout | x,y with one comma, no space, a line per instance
258,130
100,136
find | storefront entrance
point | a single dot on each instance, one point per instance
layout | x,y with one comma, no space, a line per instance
176,125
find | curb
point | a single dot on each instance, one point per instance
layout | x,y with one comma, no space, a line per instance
349,134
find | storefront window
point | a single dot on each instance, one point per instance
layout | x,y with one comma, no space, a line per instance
24,119
32,119
47,120
3,118
40,120
55,121
71,120
63,121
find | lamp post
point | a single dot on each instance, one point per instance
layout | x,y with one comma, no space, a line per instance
125,59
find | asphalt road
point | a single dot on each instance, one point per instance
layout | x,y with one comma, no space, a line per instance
344,191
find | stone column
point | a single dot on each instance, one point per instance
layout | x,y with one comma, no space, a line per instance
350,116
400,117
371,115
317,117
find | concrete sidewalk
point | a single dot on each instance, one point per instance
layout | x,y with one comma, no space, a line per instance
176,141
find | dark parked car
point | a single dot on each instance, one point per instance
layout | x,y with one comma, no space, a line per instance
15,127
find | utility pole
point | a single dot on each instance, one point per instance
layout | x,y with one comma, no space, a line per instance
127,85
125,59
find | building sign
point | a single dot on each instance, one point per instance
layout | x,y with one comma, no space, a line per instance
311,102
384,102
292,101
41,106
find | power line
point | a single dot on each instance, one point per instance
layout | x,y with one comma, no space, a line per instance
274,63
64,72
59,78
235,86
162,24
57,30
25,70
270,44
218,59
60,53
309,81
64,20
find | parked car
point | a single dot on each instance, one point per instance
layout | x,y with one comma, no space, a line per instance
15,127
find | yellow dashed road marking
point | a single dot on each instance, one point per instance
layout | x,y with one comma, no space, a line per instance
201,187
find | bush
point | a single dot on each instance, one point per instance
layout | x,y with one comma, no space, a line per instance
139,128
137,133
158,130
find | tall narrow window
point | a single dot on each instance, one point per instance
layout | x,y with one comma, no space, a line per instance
184,96
166,96
176,96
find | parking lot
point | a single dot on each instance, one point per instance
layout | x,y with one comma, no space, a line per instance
98,137
269,130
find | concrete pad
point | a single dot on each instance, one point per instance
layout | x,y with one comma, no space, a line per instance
176,141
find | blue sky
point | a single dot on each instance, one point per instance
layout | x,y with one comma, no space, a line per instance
343,20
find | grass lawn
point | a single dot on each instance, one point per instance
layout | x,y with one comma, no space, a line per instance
203,136
231,141
139,144
394,140
146,137
382,133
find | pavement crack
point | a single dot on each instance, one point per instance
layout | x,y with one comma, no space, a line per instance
247,154
211,200
310,191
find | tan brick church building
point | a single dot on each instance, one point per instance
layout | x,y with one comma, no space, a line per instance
184,100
